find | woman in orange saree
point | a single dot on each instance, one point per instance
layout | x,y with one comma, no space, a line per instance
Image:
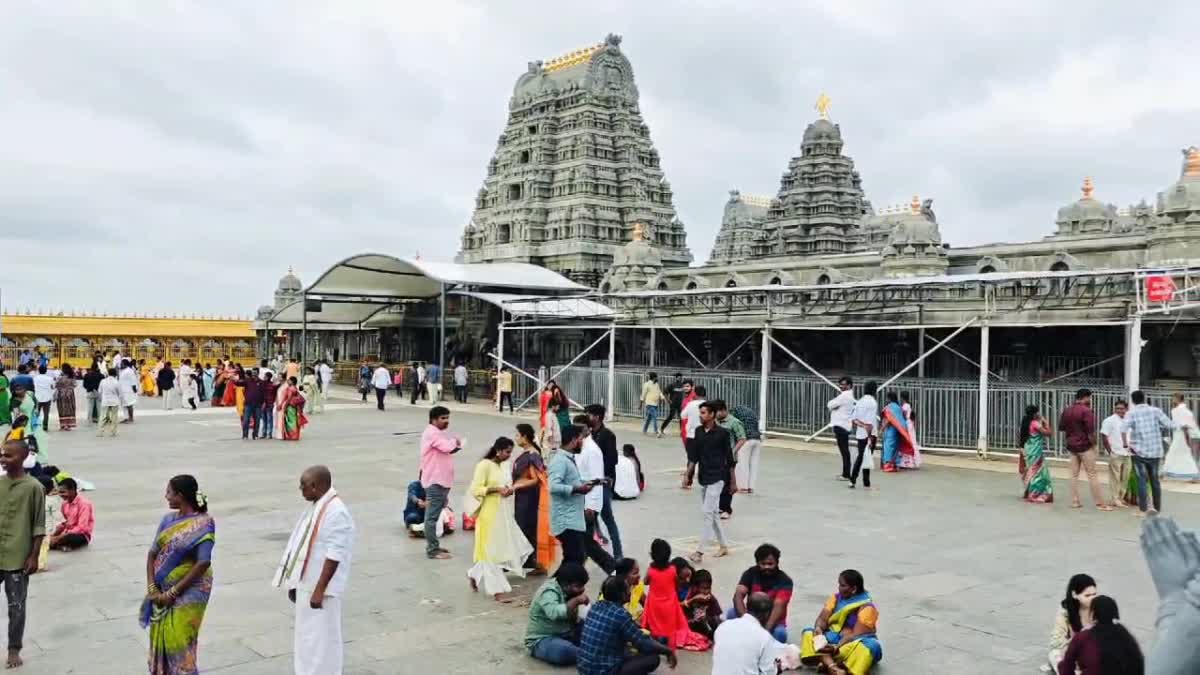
531,501
233,377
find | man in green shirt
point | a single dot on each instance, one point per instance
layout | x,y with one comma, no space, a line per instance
737,437
22,527
553,615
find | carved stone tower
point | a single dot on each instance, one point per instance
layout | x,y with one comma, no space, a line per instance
820,202
573,172
741,232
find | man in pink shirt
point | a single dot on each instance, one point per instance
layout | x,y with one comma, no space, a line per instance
78,519
437,474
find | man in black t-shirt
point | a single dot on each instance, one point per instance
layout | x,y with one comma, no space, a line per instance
91,386
765,577
710,455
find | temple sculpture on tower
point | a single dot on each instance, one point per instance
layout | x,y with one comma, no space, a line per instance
573,172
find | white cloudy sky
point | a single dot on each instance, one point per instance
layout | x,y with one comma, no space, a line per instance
168,155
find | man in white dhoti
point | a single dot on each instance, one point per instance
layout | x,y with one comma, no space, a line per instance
315,568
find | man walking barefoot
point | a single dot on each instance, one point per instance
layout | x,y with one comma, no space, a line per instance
315,568
23,503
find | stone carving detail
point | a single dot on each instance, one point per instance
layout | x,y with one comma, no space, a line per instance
927,210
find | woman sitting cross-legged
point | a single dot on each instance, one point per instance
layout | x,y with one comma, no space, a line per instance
843,638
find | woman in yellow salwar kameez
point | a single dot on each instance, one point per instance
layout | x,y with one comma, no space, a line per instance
843,638
148,384
499,544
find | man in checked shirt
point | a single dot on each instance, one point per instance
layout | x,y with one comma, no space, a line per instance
1145,425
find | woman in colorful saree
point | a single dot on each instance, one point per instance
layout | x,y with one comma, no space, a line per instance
531,500
232,377
293,412
1031,436
897,442
64,398
179,579
912,461
563,407
5,399
843,640
544,399
219,376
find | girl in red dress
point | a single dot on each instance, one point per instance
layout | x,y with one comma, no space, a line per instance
663,616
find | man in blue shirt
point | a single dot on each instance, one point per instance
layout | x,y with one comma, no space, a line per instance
414,506
1144,426
608,628
567,490
22,379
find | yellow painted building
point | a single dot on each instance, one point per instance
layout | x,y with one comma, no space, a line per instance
74,338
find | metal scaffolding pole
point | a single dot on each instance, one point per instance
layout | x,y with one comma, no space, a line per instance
1133,355
499,358
612,366
303,331
442,333
984,336
921,351
652,345
763,378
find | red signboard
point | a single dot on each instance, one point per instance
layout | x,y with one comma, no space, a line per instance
1159,288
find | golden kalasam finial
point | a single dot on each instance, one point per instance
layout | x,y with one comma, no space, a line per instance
1192,165
822,106
1088,187
639,231
915,204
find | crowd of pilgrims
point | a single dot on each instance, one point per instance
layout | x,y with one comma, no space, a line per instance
535,508
271,400
534,503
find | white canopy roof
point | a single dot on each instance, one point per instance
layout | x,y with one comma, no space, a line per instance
379,275
360,286
535,306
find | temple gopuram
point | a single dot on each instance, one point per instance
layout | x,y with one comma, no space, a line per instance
573,172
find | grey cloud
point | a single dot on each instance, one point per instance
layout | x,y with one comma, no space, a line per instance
213,145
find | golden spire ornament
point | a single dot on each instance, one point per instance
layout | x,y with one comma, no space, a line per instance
1192,164
822,105
1088,187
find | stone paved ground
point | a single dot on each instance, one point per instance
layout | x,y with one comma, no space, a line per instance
966,575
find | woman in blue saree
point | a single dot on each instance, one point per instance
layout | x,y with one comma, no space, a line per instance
179,579
843,640
897,441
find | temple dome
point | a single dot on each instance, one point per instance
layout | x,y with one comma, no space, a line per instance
264,312
1183,198
822,130
1086,215
914,233
634,265
290,283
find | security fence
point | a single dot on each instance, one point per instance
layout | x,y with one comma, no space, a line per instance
947,411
